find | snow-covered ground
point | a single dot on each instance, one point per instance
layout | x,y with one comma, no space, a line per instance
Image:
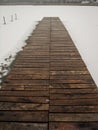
81,22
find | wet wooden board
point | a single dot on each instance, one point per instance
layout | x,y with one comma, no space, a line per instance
49,86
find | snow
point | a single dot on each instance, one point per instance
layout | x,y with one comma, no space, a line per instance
13,34
80,21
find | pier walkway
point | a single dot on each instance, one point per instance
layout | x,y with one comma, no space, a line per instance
49,86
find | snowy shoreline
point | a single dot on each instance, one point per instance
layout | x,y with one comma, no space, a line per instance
80,21
13,34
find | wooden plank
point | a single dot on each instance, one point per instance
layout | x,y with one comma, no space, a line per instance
24,116
23,106
68,62
62,64
63,47
72,96
33,56
36,54
75,102
25,87
27,82
30,66
68,68
30,51
23,126
28,71
25,93
64,53
73,86
74,91
73,117
73,126
19,99
33,64
66,73
63,81
31,60
73,109
63,50
71,77
62,44
63,59
44,75
65,56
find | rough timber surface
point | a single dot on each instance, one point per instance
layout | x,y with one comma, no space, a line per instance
49,86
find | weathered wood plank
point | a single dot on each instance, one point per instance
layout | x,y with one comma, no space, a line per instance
64,53
71,77
44,75
23,126
73,117
24,116
55,59
28,70
25,87
32,65
75,102
31,60
73,126
23,106
66,73
81,81
73,109
25,93
27,82
74,91
72,96
19,99
68,68
73,86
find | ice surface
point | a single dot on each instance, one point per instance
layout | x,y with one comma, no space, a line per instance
81,22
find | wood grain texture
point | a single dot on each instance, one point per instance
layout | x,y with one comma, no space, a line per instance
73,126
24,116
73,117
23,126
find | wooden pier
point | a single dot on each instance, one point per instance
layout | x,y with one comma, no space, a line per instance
49,86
